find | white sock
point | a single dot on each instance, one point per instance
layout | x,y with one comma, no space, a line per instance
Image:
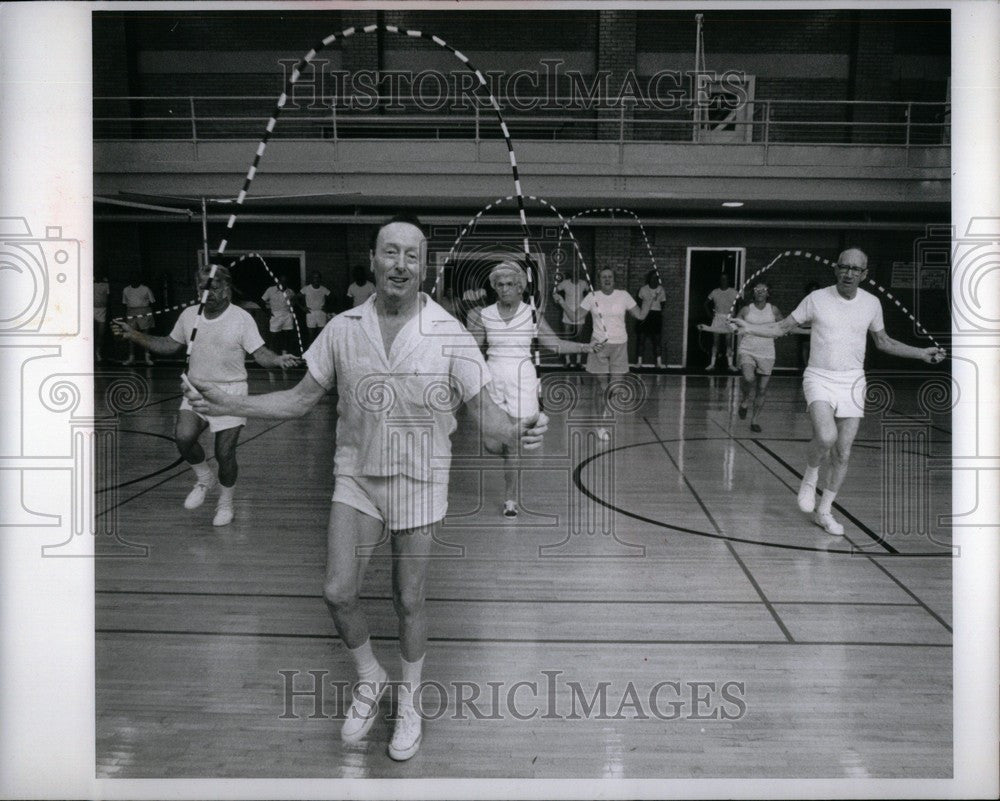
364,661
203,471
411,679
226,495
826,502
811,475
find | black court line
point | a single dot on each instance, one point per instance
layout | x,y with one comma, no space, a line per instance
148,476
718,530
498,600
180,473
578,483
872,558
909,592
767,467
521,640
864,528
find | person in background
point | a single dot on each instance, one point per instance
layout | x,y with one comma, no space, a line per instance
102,291
315,296
138,299
568,294
651,328
361,289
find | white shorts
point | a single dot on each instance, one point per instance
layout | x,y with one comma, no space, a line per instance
843,390
514,387
760,365
223,422
141,317
399,501
611,360
316,318
100,314
281,322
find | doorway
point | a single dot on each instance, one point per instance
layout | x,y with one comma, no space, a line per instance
704,266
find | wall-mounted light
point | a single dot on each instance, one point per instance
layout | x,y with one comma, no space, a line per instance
733,204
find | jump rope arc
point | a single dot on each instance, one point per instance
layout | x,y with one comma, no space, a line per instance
805,254
642,229
283,99
565,226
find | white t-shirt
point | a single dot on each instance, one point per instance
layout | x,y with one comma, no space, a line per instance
221,345
608,312
723,299
761,347
360,293
572,292
658,296
315,296
137,297
839,327
278,301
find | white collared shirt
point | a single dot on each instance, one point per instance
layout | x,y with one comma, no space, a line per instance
396,410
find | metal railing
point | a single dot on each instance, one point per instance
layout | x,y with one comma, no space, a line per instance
757,122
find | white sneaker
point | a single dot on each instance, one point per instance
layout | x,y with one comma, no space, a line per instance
509,509
826,522
603,434
807,496
364,707
223,514
407,735
196,497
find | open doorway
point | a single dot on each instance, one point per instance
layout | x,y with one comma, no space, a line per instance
704,266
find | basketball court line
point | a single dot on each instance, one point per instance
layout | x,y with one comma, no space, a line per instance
718,530
871,558
440,599
180,473
525,641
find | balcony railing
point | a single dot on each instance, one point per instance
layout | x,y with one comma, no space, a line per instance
757,122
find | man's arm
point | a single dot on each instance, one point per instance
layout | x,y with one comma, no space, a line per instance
288,404
268,359
474,324
162,346
498,425
643,310
893,347
768,330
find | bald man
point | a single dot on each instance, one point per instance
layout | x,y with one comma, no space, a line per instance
834,381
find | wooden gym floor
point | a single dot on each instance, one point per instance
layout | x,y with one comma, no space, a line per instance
668,575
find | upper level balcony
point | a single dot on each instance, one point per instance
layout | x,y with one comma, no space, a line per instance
807,155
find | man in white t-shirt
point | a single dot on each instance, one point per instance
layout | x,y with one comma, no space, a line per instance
226,333
361,289
608,307
278,299
315,295
390,359
720,301
834,382
568,293
138,299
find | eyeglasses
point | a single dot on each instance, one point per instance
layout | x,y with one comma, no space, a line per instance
851,269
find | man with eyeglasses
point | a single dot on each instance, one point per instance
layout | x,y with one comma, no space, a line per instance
834,381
